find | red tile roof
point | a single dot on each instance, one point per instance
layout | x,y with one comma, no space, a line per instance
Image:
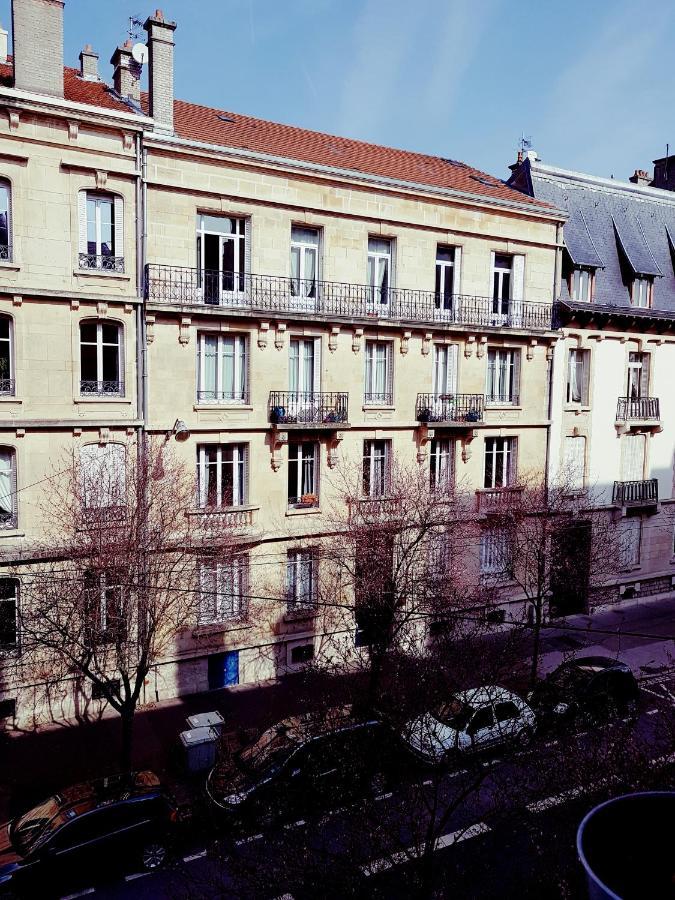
215,126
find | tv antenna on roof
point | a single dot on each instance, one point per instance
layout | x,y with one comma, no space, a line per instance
525,143
135,24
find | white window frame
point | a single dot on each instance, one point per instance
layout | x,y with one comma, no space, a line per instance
379,298
575,462
507,448
103,472
378,353
239,464
578,367
495,556
377,456
14,599
442,464
503,368
6,208
239,393
304,291
641,292
99,343
581,284
223,590
638,375
631,542
7,378
301,562
240,237
499,273
633,457
305,460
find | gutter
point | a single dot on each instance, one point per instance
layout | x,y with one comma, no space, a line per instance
56,104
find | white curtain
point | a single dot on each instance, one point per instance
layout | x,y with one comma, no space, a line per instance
6,498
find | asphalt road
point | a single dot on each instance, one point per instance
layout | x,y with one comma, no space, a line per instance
503,827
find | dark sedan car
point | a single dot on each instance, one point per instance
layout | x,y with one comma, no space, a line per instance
87,828
595,686
305,764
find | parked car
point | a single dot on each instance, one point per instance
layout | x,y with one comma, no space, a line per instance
305,764
594,686
478,719
87,827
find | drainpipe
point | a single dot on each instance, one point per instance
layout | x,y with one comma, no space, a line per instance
140,279
557,270
143,369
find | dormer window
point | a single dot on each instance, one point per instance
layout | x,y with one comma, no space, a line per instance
581,284
641,292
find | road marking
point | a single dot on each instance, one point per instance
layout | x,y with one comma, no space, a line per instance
295,824
457,773
384,796
427,782
671,695
550,744
200,855
403,856
653,693
249,840
136,875
555,800
79,894
662,760
652,712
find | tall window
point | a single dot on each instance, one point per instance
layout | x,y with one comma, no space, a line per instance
445,369
222,368
101,244
6,360
302,370
222,475
575,462
379,270
641,292
631,541
638,376
445,277
223,590
103,476
222,249
379,373
101,359
8,504
442,464
301,577
9,606
495,552
501,283
500,462
632,457
303,471
105,613
5,221
376,467
503,376
304,262
578,365
581,285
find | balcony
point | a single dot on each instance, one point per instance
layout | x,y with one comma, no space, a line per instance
101,388
102,263
183,286
450,409
636,493
7,387
637,412
233,517
498,500
298,409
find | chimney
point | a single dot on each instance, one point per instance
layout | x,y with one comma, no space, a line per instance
160,44
664,173
37,32
640,177
88,64
3,45
127,73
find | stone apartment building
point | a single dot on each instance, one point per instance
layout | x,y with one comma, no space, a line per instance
284,303
613,408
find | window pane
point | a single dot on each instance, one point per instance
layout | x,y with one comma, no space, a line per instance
88,332
88,363
111,364
110,334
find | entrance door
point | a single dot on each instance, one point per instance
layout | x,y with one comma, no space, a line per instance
223,669
570,569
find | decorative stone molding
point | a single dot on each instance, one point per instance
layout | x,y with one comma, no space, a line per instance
426,343
424,435
127,140
14,119
333,448
549,353
73,129
280,335
480,347
184,330
263,333
530,348
149,328
77,432
17,300
101,179
469,345
333,338
21,432
356,339
278,439
128,308
74,304
466,440
405,343
102,309
103,435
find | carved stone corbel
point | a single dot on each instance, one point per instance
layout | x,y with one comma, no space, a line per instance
333,338
149,328
263,334
103,435
480,347
356,339
277,440
102,309
333,448
184,330
127,140
405,343
424,435
426,343
530,348
469,345
73,129
101,179
13,119
466,440
280,335
17,300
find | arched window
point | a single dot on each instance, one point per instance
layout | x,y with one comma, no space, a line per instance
6,357
8,505
101,365
5,220
101,231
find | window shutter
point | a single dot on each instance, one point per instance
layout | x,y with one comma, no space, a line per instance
518,290
452,369
632,457
512,469
14,491
390,373
317,469
119,228
317,365
244,489
585,367
457,276
644,375
247,254
82,222
515,387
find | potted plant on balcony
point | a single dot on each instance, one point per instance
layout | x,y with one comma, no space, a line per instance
307,501
424,415
473,415
277,414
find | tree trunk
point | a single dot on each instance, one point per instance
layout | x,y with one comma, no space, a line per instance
536,642
127,716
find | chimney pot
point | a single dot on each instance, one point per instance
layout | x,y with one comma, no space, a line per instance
640,177
159,15
160,45
126,73
37,31
88,63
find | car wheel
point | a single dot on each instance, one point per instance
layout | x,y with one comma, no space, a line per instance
524,737
154,855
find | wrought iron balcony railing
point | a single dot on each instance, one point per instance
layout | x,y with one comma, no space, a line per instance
502,399
636,493
306,408
102,388
225,397
643,409
6,252
378,398
8,520
181,285
454,409
102,262
7,386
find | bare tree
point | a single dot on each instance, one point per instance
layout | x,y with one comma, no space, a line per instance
117,581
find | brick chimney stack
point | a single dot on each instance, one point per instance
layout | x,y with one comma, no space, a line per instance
127,73
88,64
160,44
37,31
640,177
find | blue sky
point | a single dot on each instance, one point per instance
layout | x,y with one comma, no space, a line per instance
590,82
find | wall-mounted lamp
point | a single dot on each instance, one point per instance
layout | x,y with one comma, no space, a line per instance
180,431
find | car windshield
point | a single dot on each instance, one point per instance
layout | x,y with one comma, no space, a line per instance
453,713
272,745
28,831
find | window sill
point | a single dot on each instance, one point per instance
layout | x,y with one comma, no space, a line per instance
224,627
102,273
576,408
80,399
298,615
9,266
303,511
377,406
635,568
498,406
8,398
11,533
231,407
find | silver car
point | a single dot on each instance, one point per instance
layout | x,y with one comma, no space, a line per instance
473,720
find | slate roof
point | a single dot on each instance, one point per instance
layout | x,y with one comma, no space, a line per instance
75,88
618,227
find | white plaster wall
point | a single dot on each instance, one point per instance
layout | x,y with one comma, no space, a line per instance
662,444
608,376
